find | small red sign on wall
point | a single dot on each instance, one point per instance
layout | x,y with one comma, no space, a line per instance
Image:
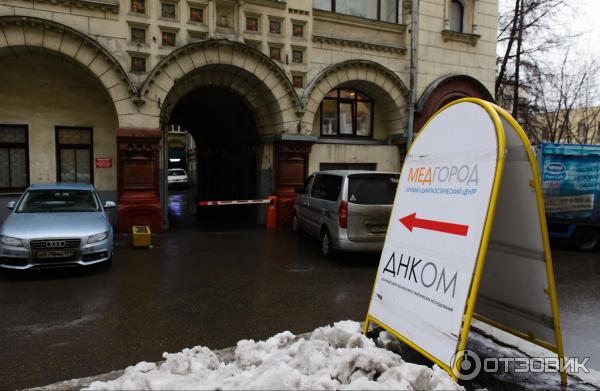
103,162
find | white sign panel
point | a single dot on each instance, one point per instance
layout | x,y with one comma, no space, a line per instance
435,231
514,284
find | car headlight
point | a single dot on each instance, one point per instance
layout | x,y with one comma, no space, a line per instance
98,237
13,242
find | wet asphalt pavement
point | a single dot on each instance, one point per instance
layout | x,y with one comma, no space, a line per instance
212,280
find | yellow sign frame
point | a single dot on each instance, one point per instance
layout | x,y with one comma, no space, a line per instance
496,113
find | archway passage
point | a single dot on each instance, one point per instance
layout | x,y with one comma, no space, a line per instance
226,148
56,121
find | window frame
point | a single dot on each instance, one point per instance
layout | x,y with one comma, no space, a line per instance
281,54
198,8
301,76
353,102
302,26
140,28
175,5
278,21
302,52
138,56
59,147
162,38
325,177
461,5
17,145
258,23
396,17
145,13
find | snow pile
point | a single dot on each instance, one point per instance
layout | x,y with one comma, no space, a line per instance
333,358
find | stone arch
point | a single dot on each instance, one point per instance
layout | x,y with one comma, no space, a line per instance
262,84
445,90
35,34
380,83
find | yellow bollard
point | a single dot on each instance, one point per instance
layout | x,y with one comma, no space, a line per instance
141,236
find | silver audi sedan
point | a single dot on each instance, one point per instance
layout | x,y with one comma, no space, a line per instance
56,225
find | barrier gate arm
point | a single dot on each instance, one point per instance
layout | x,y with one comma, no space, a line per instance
271,217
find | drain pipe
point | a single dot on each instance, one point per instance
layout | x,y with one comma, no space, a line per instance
412,97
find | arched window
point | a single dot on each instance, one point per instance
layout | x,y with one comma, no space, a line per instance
456,16
346,113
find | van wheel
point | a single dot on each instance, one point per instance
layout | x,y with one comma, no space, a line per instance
295,224
326,248
586,239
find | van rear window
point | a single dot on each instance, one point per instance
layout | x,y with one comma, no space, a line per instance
368,189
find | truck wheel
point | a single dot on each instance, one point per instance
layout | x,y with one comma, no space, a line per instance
326,248
586,239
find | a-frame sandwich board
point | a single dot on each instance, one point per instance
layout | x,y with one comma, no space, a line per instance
467,238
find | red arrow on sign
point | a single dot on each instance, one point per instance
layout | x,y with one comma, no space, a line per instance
411,221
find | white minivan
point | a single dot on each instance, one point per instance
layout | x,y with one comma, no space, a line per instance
347,210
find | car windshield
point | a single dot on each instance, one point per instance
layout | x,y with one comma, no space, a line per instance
47,201
371,189
176,172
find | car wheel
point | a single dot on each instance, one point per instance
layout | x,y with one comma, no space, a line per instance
326,248
295,224
586,239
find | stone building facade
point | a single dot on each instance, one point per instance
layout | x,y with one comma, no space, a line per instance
270,90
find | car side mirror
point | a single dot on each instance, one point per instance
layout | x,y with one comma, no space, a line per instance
109,205
11,205
298,189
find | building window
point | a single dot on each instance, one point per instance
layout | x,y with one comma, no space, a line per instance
456,16
298,56
169,38
74,155
385,10
138,6
167,10
196,15
14,159
346,113
275,26
251,23
138,35
138,64
298,30
275,53
298,81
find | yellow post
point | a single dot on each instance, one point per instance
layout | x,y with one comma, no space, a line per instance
141,236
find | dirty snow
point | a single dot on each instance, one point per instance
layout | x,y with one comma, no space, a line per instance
332,358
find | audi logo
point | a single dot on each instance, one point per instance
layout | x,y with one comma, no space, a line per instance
56,244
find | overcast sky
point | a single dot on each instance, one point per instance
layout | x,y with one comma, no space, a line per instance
587,22
584,19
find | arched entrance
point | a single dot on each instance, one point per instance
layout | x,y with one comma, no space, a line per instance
58,116
233,101
372,79
226,142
